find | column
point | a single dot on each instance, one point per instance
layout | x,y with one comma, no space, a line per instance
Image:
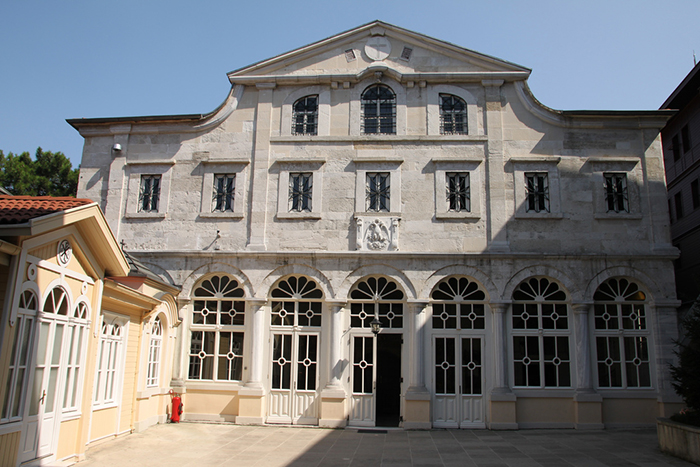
180,354
333,411
588,405
417,397
502,411
665,333
251,395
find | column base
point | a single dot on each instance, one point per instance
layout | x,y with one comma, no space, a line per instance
251,406
333,413
502,410
416,414
588,411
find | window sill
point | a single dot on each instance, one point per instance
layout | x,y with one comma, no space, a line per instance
150,392
145,215
617,216
111,405
375,137
377,214
10,427
197,385
68,416
221,215
298,215
457,215
539,215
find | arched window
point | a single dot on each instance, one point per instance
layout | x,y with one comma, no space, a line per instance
56,302
621,335
297,301
218,318
109,360
540,319
305,118
458,303
77,332
453,115
154,349
21,355
379,110
376,297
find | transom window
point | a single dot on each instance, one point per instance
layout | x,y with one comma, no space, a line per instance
540,320
458,192
377,192
378,110
297,301
376,297
458,303
300,192
537,188
622,335
305,119
223,193
616,195
453,115
154,350
218,318
149,193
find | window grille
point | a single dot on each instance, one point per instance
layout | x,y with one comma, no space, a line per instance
453,115
378,110
223,193
622,335
378,191
216,340
537,190
616,196
305,119
458,196
540,320
300,191
149,193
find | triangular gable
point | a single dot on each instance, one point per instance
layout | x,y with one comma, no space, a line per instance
346,55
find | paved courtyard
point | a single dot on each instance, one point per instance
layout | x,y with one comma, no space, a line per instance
198,444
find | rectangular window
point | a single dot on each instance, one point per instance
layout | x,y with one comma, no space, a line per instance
223,193
677,199
676,148
685,138
537,187
377,192
149,194
616,197
695,191
458,197
300,192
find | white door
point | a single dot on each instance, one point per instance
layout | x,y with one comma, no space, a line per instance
40,421
364,351
294,378
458,382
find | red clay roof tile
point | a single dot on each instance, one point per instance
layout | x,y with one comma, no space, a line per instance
20,209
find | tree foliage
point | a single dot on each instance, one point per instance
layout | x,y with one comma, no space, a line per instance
686,376
48,174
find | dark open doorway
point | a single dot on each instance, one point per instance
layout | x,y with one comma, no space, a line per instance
388,379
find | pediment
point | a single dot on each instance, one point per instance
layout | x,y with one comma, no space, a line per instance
378,47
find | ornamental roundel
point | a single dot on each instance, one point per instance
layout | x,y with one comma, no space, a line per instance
64,252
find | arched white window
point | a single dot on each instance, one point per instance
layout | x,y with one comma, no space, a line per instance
154,351
376,297
76,335
109,360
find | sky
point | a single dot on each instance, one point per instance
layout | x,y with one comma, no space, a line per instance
62,59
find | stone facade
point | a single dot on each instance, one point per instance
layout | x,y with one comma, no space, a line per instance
518,258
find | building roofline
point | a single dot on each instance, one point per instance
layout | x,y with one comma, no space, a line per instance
685,91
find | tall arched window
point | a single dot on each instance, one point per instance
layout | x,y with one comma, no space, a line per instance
378,110
376,296
458,303
453,115
154,350
218,318
18,373
540,319
77,332
621,335
305,118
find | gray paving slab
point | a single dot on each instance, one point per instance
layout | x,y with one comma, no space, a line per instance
200,444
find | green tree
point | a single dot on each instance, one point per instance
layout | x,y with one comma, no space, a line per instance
49,174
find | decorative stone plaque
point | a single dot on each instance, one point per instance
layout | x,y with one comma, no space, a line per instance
377,234
378,48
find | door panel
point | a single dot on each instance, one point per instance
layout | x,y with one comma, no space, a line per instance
363,376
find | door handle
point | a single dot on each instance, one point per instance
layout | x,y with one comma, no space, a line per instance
43,396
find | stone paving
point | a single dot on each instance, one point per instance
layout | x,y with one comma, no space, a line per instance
198,444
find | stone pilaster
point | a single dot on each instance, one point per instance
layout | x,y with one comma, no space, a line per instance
251,406
588,405
417,396
333,397
502,408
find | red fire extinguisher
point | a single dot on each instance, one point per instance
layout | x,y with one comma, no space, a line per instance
177,407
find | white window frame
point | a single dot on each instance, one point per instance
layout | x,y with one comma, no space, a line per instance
155,353
110,373
600,166
314,166
80,325
214,167
377,165
443,166
523,165
138,169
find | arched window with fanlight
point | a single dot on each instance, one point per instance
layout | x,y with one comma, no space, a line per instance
217,330
376,297
76,335
378,110
154,350
541,329
621,335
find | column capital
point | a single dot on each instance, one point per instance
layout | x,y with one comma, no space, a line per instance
337,303
256,301
581,307
499,307
667,305
417,305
